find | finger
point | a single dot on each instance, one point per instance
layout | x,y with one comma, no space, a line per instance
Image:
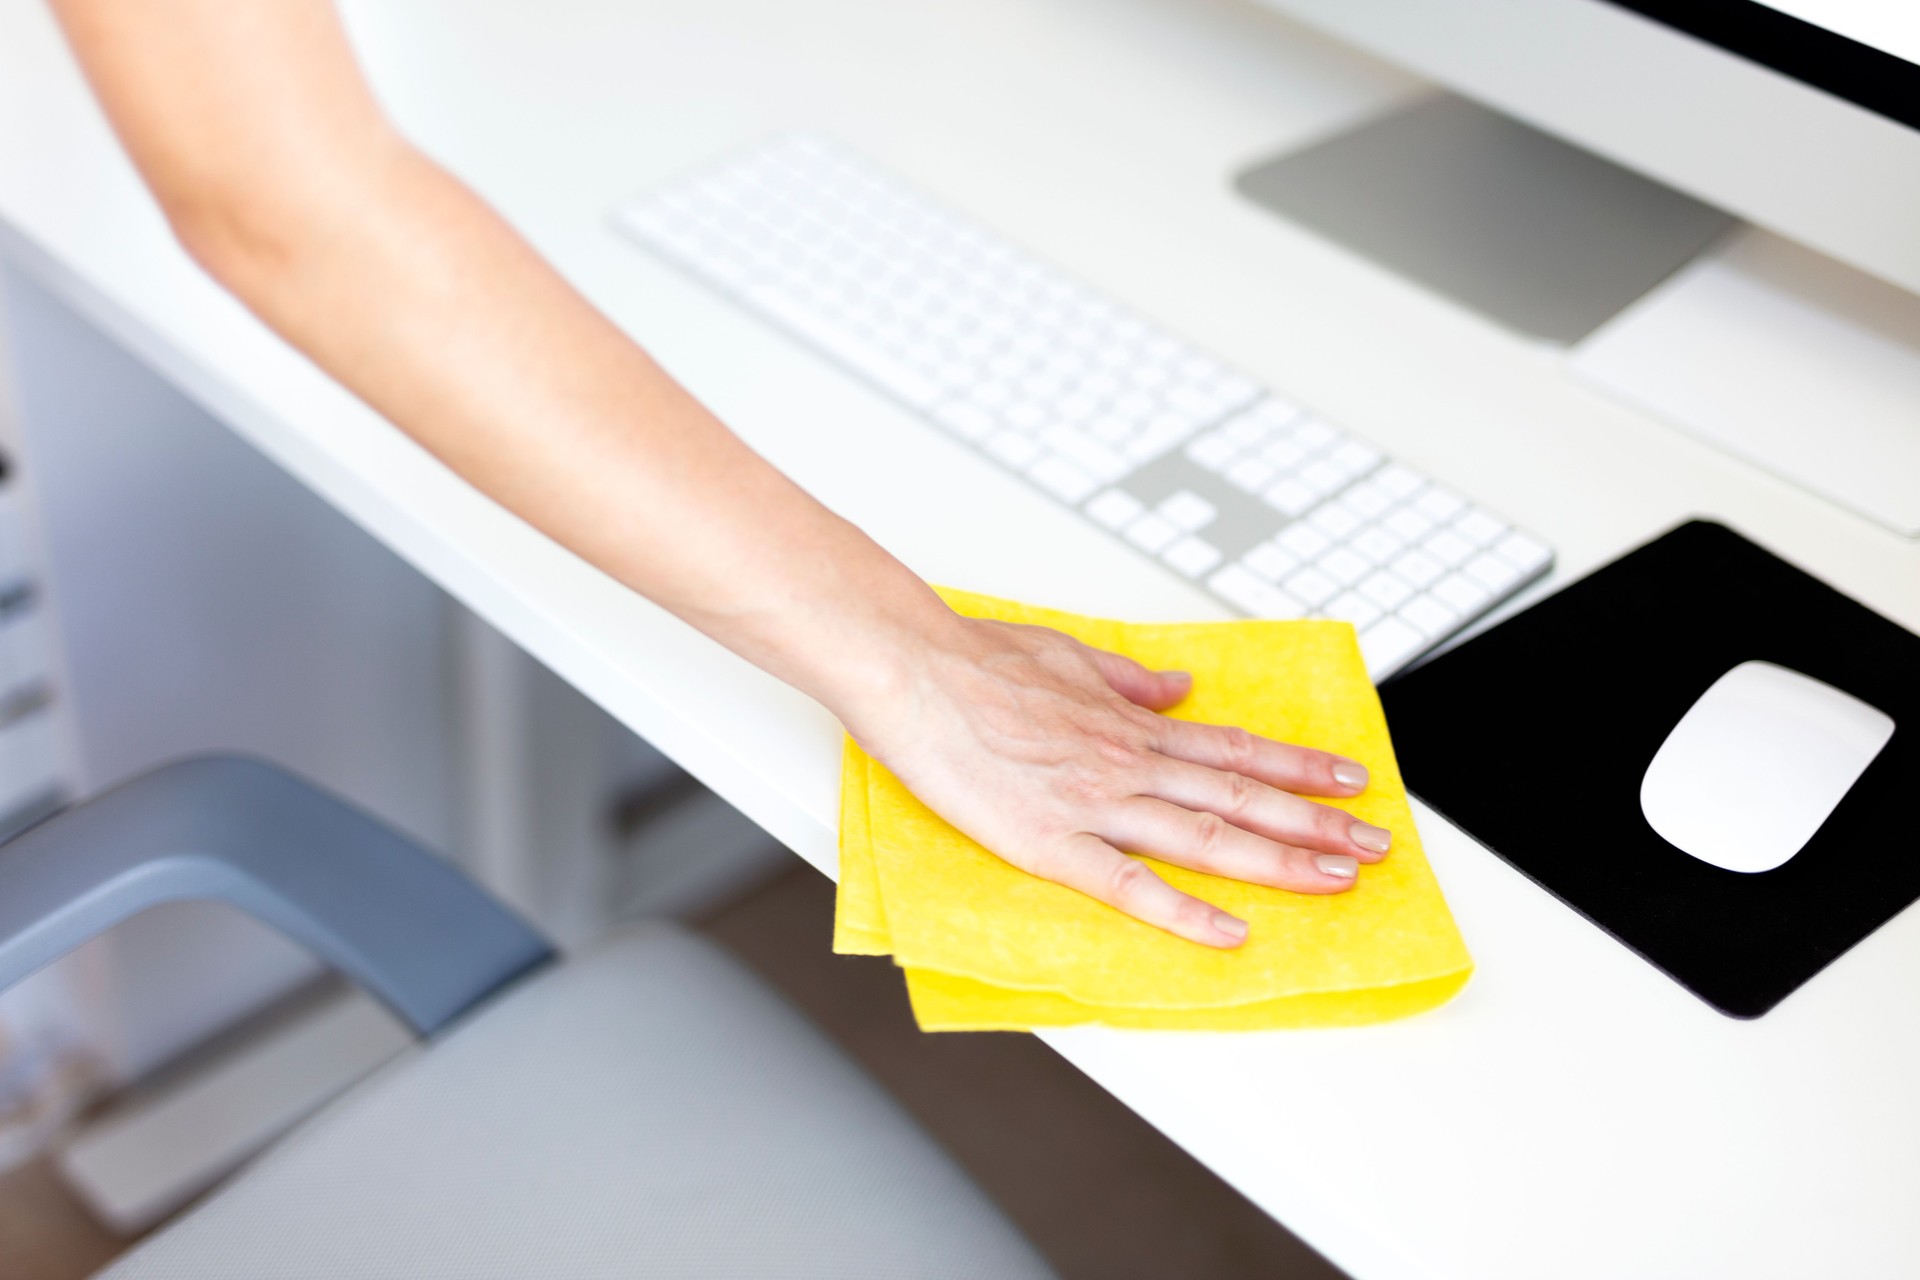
1154,690
1097,869
1278,764
1267,811
1207,842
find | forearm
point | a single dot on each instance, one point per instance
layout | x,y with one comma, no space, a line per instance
414,294
410,291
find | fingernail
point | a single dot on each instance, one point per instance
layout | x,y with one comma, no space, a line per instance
1338,864
1232,926
1183,677
1350,775
1369,837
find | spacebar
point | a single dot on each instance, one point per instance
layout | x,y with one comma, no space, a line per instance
858,354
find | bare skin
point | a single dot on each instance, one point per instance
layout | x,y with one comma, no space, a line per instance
253,127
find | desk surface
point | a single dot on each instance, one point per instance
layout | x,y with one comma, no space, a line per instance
1574,1112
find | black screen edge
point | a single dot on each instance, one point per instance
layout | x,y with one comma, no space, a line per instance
1861,74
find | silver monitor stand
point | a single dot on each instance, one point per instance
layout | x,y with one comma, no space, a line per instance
1535,234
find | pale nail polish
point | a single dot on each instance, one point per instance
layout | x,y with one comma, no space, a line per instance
1337,864
1350,775
1369,837
1232,926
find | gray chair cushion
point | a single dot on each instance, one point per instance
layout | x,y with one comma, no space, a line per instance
646,1110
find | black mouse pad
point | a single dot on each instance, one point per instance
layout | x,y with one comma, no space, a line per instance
1535,736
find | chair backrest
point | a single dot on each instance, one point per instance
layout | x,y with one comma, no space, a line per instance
403,923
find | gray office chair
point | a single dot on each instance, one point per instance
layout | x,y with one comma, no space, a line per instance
646,1109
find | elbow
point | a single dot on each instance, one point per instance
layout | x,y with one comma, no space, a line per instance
243,237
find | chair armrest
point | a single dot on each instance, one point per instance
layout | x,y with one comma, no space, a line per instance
416,933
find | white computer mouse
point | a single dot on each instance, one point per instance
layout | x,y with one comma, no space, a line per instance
1756,765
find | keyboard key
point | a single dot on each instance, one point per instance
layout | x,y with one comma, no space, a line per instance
1248,429
1152,532
1386,590
1269,562
1192,556
1461,592
1199,368
1291,498
1376,544
1449,548
1277,411
1387,644
1078,407
1240,588
1408,523
1357,609
1191,399
1345,565
1479,528
1314,434
1311,587
1439,505
1149,376
1284,454
994,395
1062,479
1398,481
1232,389
1114,509
1334,521
1323,477
1013,449
1427,615
1491,572
1303,541
1213,450
968,421
1368,499
1419,568
1025,416
1525,554
1188,510
864,357
1085,452
1250,474
1355,458
1159,435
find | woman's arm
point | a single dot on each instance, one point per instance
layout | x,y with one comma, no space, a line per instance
253,127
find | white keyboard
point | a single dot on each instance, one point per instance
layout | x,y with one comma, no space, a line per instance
1278,512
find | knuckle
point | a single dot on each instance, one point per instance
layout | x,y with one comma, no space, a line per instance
1088,786
1117,749
1209,834
1239,747
1242,794
1196,915
1330,823
1129,883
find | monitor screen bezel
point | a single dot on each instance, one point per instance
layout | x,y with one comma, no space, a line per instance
1881,82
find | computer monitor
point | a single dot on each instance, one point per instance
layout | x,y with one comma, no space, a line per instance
1800,116
1593,149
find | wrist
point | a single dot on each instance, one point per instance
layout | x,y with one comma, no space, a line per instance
875,659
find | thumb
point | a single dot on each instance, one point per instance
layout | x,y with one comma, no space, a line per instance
1154,690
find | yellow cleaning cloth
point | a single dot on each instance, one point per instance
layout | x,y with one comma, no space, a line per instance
986,946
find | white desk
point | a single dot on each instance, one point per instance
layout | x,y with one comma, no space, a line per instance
1574,1113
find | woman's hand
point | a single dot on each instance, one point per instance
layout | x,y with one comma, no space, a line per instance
1050,753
